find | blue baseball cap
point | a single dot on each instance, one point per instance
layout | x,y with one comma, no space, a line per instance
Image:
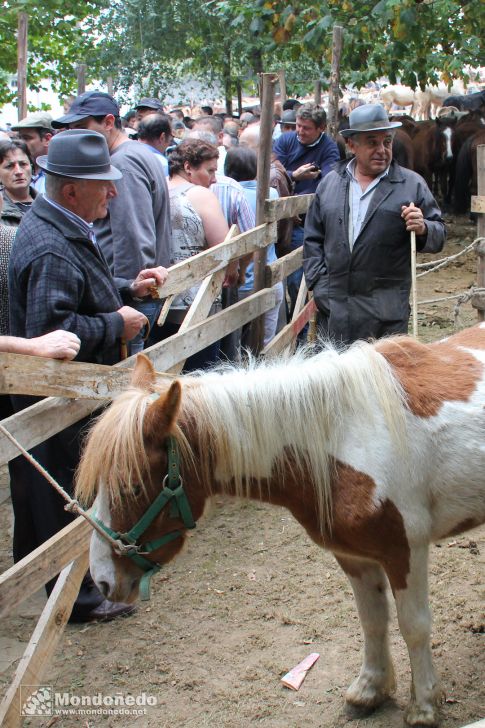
92,103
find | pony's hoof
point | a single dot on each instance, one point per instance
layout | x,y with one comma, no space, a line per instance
422,717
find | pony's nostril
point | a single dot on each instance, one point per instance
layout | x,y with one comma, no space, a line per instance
103,587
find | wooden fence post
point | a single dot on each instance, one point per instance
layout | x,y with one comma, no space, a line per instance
478,206
334,91
22,48
268,81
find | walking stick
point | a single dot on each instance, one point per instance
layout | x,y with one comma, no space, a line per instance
414,297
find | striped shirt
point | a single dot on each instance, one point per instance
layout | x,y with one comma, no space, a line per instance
234,204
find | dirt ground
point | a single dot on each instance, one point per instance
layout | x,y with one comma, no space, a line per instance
251,596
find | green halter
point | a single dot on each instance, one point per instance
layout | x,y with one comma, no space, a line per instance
173,493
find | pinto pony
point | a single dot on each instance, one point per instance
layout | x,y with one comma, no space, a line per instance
377,451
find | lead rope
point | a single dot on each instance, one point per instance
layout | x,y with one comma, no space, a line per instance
72,504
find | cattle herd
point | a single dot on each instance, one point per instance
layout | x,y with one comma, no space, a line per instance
441,149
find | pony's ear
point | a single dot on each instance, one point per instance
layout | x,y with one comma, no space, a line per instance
143,374
165,409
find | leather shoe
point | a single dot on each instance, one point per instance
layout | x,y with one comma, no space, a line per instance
104,612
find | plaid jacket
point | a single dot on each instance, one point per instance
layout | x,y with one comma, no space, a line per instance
59,280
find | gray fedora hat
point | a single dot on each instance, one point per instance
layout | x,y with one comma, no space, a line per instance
369,117
80,154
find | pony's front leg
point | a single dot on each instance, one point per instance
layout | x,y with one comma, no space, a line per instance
414,618
376,679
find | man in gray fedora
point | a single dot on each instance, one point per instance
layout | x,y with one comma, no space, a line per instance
356,252
59,279
136,232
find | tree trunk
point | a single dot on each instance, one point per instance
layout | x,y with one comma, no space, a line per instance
239,96
317,92
81,78
226,75
22,47
282,80
334,96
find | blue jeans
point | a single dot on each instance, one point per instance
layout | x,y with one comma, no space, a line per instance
293,281
151,309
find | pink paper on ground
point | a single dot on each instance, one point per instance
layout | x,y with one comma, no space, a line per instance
295,677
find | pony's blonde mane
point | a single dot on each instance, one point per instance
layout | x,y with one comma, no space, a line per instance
289,413
254,423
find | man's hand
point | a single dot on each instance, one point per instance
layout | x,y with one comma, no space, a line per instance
414,219
232,274
56,345
133,321
306,171
147,280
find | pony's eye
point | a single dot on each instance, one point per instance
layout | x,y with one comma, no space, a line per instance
136,490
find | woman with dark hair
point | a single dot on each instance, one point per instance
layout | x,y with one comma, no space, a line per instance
197,223
15,178
241,164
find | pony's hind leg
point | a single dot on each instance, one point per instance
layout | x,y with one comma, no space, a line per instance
376,678
415,624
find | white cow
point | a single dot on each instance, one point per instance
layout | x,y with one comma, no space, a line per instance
400,96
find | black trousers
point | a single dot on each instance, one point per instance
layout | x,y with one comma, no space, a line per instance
38,508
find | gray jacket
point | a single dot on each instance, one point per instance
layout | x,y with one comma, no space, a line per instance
136,233
364,293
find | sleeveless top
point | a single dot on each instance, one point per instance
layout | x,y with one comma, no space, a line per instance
188,238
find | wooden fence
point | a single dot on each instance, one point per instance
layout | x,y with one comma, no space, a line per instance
74,390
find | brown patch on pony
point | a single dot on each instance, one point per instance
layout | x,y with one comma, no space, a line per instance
431,374
143,376
461,527
360,527
472,338
364,528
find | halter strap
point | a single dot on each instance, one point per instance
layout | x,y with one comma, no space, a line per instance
172,493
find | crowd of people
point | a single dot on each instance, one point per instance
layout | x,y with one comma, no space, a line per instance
97,207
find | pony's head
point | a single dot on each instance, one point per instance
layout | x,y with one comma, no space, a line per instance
124,464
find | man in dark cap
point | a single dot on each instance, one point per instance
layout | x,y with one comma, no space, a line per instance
59,279
357,253
136,232
148,106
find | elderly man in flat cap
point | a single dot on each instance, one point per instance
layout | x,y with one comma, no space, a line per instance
357,253
59,279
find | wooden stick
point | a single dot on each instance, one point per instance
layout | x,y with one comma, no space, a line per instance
414,293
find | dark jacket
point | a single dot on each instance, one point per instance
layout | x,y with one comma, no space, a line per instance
58,279
12,215
365,293
292,154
